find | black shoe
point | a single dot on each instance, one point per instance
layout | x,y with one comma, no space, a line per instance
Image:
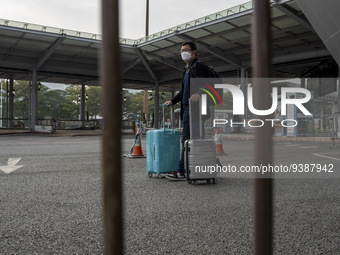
176,176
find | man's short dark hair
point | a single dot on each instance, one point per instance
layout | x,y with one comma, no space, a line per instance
191,44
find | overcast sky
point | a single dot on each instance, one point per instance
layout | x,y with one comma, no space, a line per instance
84,15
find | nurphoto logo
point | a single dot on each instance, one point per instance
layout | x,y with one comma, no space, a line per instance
239,104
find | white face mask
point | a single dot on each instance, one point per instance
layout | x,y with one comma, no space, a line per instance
186,56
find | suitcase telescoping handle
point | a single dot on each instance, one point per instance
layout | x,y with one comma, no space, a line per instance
196,125
171,116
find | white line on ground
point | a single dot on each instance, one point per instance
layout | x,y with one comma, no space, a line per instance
325,156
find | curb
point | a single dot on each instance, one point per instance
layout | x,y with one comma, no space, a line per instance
56,134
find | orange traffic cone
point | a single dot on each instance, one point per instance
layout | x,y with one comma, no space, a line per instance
218,142
137,148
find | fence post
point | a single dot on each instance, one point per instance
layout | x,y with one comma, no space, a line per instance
110,66
261,68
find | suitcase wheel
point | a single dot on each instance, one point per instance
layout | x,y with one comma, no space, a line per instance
211,181
195,182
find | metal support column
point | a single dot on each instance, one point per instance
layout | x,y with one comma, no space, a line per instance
147,18
110,74
244,90
82,102
34,100
6,108
338,84
261,67
146,93
303,83
11,101
156,106
146,105
1,104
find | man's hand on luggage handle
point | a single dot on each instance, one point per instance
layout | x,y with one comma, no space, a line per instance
195,97
168,103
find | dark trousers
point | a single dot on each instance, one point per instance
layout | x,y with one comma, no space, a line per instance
185,136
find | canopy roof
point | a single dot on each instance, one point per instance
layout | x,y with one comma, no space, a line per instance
223,40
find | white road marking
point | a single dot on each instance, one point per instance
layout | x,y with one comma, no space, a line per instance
310,147
11,165
325,156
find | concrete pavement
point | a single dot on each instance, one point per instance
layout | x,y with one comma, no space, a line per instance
53,204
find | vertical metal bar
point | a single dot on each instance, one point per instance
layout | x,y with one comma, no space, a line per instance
111,144
146,94
6,115
11,101
338,87
147,19
1,94
29,101
82,102
303,83
34,100
244,89
146,105
261,66
156,106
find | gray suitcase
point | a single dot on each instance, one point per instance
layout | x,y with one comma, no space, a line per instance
200,160
199,154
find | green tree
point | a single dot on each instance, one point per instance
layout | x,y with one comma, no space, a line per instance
21,99
93,102
53,103
72,107
133,105
58,104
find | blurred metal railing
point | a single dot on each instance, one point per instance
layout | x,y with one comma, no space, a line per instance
335,135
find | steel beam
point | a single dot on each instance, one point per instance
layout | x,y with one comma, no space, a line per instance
130,65
290,12
214,52
162,60
146,64
50,51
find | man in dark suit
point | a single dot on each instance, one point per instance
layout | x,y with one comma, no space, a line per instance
193,69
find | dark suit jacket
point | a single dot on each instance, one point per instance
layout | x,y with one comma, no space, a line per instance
196,70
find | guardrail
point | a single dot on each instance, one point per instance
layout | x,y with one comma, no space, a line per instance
15,123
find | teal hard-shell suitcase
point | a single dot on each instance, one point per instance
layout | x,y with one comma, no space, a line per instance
162,150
